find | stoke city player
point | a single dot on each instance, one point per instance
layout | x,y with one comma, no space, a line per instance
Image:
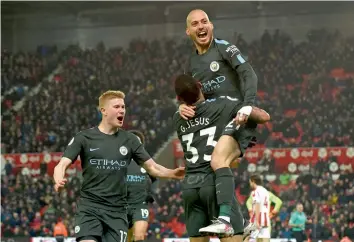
260,209
105,152
273,199
139,197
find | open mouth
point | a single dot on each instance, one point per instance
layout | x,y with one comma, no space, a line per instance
120,119
202,34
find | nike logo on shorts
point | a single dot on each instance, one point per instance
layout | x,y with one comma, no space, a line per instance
93,149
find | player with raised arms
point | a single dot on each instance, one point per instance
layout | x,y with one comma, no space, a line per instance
105,152
222,71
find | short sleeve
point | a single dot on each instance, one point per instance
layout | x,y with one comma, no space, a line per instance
292,218
256,197
140,155
74,147
230,53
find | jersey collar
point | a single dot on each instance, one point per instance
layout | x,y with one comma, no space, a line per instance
212,44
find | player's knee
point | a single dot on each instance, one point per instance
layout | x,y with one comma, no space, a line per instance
217,160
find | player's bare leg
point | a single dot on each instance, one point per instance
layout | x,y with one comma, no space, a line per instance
199,239
226,151
139,230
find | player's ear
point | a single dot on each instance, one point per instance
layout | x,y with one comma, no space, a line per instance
103,111
188,33
211,25
199,85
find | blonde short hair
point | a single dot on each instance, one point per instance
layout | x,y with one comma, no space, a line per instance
110,94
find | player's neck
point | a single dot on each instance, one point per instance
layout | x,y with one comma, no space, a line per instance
203,49
200,99
107,129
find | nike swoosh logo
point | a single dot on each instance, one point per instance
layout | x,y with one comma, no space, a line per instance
218,184
193,75
93,149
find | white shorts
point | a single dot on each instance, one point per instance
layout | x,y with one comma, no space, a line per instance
263,233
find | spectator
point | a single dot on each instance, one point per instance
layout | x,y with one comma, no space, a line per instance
297,223
298,88
8,168
64,105
60,231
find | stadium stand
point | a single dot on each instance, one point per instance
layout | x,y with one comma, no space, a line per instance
293,80
297,87
22,71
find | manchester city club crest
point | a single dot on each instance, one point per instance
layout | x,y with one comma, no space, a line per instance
214,66
123,150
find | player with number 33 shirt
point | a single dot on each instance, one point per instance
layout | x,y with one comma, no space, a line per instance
199,136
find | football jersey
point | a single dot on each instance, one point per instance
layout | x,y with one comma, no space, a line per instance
261,196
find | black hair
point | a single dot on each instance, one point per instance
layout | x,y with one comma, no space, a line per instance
256,179
187,89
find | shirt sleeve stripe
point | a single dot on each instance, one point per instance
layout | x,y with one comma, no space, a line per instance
240,59
223,42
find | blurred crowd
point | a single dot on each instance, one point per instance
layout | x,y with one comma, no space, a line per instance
67,103
307,87
301,85
22,71
328,203
30,207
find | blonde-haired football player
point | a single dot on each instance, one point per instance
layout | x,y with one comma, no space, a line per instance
106,151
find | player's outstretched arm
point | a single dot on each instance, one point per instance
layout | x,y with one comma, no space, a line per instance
59,173
70,154
247,76
157,170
